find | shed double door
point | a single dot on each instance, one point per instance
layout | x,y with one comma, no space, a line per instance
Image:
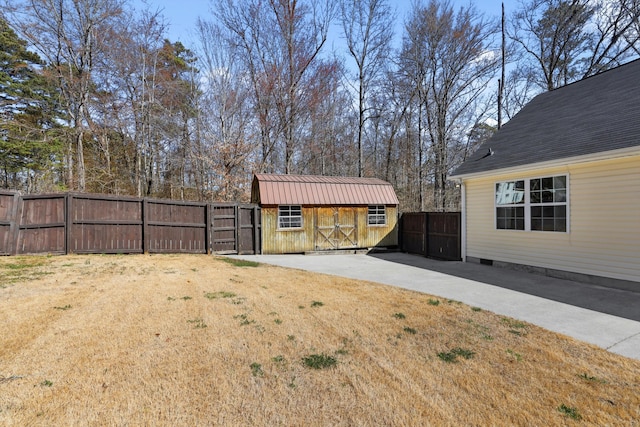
336,228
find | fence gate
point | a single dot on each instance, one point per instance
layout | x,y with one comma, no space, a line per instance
444,236
432,234
249,230
223,228
235,228
413,233
336,228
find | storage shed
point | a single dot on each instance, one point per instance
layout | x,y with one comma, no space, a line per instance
305,213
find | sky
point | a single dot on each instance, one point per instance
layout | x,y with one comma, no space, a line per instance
181,15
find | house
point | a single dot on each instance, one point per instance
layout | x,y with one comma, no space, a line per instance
302,213
557,189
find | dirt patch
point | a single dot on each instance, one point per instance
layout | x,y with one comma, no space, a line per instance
195,340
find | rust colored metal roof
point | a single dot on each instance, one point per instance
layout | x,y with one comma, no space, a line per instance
273,189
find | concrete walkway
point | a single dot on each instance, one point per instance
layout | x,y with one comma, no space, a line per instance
608,318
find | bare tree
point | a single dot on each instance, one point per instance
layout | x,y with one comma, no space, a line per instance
149,107
66,34
393,93
404,163
614,36
451,61
226,144
634,32
566,40
281,41
135,106
414,70
250,36
367,26
301,32
327,138
553,34
519,86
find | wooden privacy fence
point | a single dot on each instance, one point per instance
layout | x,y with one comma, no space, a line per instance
432,234
88,223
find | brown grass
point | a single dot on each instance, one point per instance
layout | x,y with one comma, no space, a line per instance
192,340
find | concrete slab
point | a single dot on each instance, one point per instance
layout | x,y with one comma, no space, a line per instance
606,317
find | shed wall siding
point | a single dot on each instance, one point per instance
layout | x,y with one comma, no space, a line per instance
276,241
604,236
371,236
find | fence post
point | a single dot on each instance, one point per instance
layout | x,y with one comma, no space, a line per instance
145,225
426,234
257,235
400,225
68,226
236,237
14,228
208,228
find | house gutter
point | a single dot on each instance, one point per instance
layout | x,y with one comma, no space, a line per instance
463,220
587,158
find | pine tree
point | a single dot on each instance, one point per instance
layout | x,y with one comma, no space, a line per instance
29,149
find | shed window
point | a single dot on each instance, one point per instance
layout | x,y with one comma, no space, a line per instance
290,216
538,204
377,215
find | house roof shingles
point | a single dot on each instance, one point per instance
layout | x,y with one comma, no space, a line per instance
594,115
273,189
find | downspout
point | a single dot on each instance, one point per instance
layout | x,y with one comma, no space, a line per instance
463,217
463,221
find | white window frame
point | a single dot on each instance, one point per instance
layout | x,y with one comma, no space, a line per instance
380,212
289,217
528,204
517,202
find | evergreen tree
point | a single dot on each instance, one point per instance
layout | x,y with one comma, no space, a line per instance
29,149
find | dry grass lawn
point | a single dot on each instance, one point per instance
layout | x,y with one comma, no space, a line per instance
194,340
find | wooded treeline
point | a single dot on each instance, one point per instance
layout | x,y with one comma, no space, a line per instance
94,96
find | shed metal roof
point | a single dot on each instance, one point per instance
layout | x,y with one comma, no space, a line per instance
273,189
595,115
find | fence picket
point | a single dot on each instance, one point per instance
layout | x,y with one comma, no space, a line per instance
90,223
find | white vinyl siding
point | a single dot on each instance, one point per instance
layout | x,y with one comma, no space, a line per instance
603,210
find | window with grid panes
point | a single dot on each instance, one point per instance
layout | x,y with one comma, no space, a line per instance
290,216
510,205
548,199
377,215
541,207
